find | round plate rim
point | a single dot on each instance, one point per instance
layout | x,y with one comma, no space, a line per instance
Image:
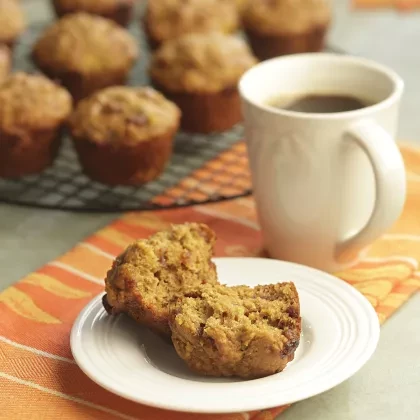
373,342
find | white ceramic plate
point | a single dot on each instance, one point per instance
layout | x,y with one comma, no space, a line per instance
340,333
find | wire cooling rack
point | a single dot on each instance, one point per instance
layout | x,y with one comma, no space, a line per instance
64,186
203,168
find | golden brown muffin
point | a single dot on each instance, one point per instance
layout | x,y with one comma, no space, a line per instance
277,27
86,53
119,11
32,110
200,73
152,273
12,21
124,135
237,331
5,62
168,19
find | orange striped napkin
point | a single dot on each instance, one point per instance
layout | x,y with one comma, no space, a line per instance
405,5
38,376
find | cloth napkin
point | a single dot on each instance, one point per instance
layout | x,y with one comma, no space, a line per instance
405,5
38,376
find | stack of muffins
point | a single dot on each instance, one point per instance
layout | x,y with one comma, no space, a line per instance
123,135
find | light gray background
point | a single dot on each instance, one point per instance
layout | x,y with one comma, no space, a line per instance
388,387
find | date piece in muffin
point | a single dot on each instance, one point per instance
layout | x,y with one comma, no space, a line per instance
5,62
32,111
86,53
119,11
12,21
200,73
169,19
124,135
237,331
277,27
153,273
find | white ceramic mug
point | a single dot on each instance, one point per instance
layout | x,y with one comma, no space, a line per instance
326,185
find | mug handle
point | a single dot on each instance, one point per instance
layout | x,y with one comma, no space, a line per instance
389,171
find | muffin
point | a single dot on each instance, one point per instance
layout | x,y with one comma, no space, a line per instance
12,22
153,273
200,73
168,19
32,111
119,11
237,331
124,135
5,62
85,53
279,27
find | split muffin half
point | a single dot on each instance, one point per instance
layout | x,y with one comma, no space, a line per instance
153,273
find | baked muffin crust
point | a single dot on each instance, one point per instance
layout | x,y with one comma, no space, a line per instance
98,7
12,21
168,19
279,17
119,11
32,102
125,114
32,111
201,63
154,272
85,44
5,62
237,331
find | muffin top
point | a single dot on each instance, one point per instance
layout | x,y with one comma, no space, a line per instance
201,63
286,16
85,44
12,20
5,62
32,102
92,6
167,19
124,114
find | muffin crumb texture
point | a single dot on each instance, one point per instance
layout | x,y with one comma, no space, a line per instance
237,331
153,273
168,19
201,63
124,114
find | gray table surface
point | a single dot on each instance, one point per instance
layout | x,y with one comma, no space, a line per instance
388,387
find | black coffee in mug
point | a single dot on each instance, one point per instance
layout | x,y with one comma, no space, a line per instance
318,103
